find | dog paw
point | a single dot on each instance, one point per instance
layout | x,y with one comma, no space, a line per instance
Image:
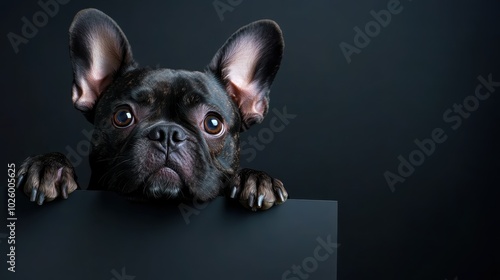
256,190
46,177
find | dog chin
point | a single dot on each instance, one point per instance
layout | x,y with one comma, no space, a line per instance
165,183
160,191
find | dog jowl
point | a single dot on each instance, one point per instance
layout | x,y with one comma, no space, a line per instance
163,133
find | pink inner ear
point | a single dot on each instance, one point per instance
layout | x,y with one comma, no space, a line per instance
239,72
105,60
243,57
250,100
83,96
105,54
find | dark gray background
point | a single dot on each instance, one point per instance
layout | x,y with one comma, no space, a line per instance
353,120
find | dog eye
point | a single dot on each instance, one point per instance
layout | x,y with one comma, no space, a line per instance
123,118
213,124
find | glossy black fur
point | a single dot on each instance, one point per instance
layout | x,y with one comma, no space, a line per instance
163,97
165,150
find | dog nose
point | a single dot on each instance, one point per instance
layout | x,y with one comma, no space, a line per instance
171,135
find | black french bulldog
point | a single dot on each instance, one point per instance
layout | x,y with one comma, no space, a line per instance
162,133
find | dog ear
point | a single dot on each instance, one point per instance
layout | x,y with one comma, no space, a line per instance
99,52
247,64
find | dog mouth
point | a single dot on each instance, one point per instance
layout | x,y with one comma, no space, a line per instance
168,172
164,182
165,173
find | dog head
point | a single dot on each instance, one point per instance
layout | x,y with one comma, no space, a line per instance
162,133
